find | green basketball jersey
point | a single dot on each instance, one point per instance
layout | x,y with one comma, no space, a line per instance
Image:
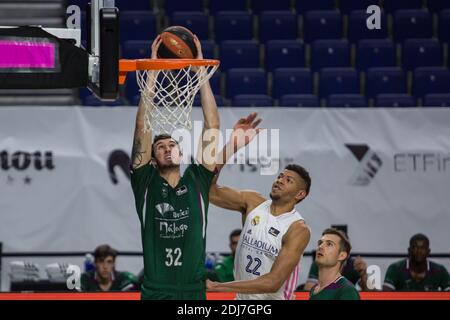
341,289
398,277
173,228
348,271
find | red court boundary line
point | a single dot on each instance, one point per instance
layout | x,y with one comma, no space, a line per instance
212,296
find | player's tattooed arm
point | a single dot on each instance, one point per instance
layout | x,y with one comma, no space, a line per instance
138,154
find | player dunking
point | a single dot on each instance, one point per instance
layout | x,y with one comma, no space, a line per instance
274,234
172,209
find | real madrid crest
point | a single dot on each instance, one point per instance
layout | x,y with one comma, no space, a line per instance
255,220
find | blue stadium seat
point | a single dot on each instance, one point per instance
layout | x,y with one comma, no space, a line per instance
390,6
429,80
421,53
137,49
292,81
196,21
438,5
338,80
357,28
284,53
131,86
182,5
444,26
302,6
127,5
277,25
259,6
299,100
436,100
350,5
208,49
246,81
220,101
252,100
385,80
375,53
322,25
346,101
239,54
137,25
394,101
330,53
412,24
233,25
230,5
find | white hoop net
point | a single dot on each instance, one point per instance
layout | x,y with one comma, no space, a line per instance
168,96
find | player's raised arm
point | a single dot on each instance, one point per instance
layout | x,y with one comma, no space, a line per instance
228,198
207,151
294,244
142,143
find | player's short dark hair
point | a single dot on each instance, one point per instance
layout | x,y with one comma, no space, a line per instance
103,251
344,243
161,137
419,237
303,173
235,233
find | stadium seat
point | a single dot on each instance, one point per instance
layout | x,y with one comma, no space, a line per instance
208,49
259,6
233,25
330,53
292,81
246,81
436,100
239,54
127,5
385,80
137,49
137,25
284,53
357,28
322,25
429,80
299,100
346,101
220,101
444,26
436,6
412,24
346,6
131,86
252,100
196,21
172,6
375,53
338,80
421,53
230,5
391,6
302,6
391,100
277,25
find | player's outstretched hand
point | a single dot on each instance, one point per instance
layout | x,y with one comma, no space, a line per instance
211,285
155,46
245,130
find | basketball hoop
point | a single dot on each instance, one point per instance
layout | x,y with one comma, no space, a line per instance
168,88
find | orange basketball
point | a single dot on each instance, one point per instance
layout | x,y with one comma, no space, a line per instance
177,43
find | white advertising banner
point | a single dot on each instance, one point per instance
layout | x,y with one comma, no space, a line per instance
385,173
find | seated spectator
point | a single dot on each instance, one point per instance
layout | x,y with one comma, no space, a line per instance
417,273
223,269
105,277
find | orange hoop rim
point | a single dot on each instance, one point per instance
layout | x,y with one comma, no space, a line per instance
129,65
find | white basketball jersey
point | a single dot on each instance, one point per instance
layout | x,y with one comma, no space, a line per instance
258,248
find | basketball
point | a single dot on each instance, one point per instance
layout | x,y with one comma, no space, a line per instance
177,43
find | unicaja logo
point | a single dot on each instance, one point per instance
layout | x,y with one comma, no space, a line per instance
369,164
